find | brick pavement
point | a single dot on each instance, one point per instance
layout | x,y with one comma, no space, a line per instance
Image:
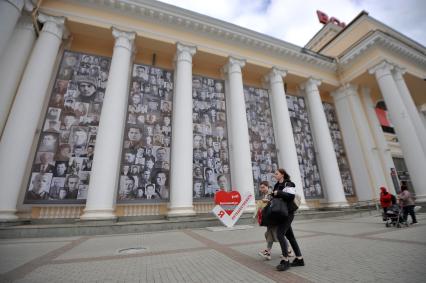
345,249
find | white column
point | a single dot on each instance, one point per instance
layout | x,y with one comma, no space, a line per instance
12,64
379,138
239,146
404,128
422,113
330,174
100,203
410,106
283,131
182,146
21,126
10,11
361,149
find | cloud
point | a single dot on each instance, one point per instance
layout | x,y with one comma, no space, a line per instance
296,21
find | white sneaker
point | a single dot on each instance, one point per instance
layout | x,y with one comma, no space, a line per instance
265,254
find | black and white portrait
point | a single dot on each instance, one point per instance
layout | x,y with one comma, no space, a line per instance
210,142
66,144
262,141
306,153
339,149
147,137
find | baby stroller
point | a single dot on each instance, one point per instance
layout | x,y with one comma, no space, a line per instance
394,216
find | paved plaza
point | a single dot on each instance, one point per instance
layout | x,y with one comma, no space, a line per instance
352,248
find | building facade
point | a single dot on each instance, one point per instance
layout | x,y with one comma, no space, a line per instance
138,108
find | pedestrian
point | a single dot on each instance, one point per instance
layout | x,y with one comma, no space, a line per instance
407,201
285,189
385,201
271,230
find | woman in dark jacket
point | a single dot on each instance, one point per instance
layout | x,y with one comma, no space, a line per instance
286,190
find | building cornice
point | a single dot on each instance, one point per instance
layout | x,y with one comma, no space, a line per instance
169,15
323,33
385,41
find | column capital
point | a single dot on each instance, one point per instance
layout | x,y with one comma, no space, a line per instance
18,4
29,5
25,22
344,91
233,65
124,39
398,72
383,68
275,75
185,52
366,90
311,84
52,24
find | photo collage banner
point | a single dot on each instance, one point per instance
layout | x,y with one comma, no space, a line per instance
339,149
211,157
145,165
305,147
262,142
62,165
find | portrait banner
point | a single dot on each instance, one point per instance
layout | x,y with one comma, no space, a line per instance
145,164
63,161
211,156
339,148
305,148
264,158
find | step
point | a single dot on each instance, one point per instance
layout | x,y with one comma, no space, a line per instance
50,228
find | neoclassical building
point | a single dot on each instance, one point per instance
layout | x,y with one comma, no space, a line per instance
119,108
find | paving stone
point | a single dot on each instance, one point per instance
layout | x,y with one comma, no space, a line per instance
340,249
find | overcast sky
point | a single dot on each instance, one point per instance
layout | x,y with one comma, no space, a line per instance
296,21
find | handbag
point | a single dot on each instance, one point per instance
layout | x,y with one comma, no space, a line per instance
266,216
279,208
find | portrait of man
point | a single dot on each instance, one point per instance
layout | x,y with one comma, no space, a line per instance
39,186
166,106
53,113
71,184
55,187
78,136
127,188
49,142
63,153
44,163
60,169
86,87
222,182
151,192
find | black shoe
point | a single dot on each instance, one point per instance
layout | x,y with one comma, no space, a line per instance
298,262
284,265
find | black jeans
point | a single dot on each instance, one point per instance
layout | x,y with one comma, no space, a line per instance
409,209
284,230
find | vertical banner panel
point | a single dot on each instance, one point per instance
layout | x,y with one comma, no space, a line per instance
262,142
211,156
62,164
145,164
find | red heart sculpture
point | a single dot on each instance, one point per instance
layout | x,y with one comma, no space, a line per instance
227,200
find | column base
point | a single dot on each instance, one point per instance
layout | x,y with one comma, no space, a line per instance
181,211
303,206
105,214
8,215
337,204
420,198
250,208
